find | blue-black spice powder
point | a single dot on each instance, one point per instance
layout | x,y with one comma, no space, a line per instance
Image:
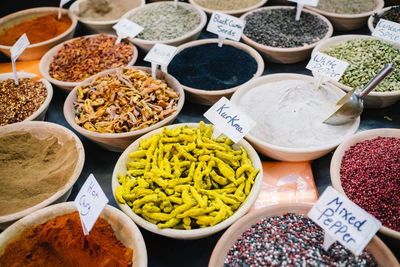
290,240
209,67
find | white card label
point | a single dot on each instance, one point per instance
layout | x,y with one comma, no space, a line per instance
226,26
19,46
90,202
229,119
306,2
327,66
126,28
161,54
343,220
63,2
387,30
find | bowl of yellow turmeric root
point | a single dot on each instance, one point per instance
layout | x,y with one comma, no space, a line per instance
183,182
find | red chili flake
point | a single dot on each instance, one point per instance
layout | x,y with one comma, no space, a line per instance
370,175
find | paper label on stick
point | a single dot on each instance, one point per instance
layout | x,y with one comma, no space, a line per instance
19,46
126,28
327,66
90,202
226,26
161,54
387,30
229,119
306,2
343,221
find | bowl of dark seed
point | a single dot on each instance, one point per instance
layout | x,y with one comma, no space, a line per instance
366,55
283,235
208,72
276,34
366,167
167,24
27,101
347,15
71,62
231,7
391,13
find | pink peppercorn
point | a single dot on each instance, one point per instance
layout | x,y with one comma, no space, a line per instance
370,176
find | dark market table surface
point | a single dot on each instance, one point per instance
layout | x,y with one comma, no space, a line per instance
163,251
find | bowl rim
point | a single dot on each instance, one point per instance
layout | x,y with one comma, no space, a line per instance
75,7
49,90
295,150
69,207
244,47
337,157
91,134
41,10
379,5
48,57
200,12
335,40
230,12
194,233
287,49
45,126
377,12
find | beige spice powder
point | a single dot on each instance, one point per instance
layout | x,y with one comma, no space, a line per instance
32,170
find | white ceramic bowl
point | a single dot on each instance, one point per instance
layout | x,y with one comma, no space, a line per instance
41,130
46,60
39,114
376,247
287,153
209,97
119,141
285,55
236,13
120,167
36,51
189,36
336,162
373,99
347,22
378,12
101,26
126,231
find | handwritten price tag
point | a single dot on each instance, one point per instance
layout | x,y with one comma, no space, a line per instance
306,2
16,50
126,28
229,119
226,26
90,202
387,30
327,66
344,221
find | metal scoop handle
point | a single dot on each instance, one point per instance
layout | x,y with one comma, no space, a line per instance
376,80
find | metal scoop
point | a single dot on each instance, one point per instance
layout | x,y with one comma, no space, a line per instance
352,103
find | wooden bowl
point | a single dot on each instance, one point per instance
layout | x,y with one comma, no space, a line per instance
236,13
126,231
40,113
209,97
285,55
348,22
42,130
46,60
336,162
373,99
120,167
379,13
102,26
376,247
36,51
119,141
189,36
287,153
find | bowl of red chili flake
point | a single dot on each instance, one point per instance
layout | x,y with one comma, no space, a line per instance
71,62
366,167
29,100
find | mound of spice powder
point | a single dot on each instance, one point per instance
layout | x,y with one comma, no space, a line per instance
279,28
38,29
227,4
370,176
60,242
210,67
393,14
18,102
346,6
290,240
83,57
